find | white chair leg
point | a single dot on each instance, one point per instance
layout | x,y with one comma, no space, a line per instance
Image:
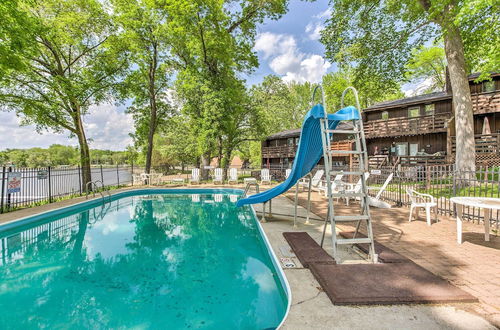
411,213
428,215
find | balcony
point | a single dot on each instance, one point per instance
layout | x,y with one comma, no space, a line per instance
279,152
486,103
289,151
407,126
485,144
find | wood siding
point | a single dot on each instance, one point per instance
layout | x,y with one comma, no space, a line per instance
430,143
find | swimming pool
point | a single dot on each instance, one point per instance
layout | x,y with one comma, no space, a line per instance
150,258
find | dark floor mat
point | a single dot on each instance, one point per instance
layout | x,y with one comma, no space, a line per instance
306,249
393,283
385,254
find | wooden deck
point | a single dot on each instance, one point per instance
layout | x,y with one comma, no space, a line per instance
407,126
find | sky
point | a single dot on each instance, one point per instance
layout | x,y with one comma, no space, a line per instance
288,47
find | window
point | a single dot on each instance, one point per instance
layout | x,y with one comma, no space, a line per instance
385,115
429,109
489,86
290,142
413,112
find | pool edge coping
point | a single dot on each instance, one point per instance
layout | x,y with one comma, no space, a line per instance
28,219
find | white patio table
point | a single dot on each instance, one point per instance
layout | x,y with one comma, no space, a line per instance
486,203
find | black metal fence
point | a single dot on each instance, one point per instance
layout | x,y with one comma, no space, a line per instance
44,185
442,182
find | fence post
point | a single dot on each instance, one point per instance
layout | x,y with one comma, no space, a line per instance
50,185
8,195
102,176
80,179
400,195
117,176
3,189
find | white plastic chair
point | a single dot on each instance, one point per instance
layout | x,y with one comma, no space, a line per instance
337,185
195,175
233,175
287,173
315,181
265,176
218,175
425,201
145,178
137,179
355,189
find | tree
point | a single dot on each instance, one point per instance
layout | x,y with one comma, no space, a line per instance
281,106
212,42
377,38
369,90
428,63
144,32
71,68
14,35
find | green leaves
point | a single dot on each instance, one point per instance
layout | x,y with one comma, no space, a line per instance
428,63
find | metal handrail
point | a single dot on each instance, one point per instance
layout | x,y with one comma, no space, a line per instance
247,188
93,184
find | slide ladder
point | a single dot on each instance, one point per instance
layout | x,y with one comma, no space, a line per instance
360,151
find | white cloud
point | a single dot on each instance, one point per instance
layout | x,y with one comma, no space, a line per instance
313,30
288,61
413,89
324,14
272,44
105,125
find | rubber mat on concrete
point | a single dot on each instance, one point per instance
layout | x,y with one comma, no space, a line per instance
385,255
392,283
306,249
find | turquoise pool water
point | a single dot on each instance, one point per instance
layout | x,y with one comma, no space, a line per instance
162,260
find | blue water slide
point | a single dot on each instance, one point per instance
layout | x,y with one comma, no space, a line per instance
309,151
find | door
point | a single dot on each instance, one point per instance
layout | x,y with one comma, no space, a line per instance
413,149
401,149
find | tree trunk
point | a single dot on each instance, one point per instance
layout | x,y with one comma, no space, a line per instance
205,161
153,108
84,153
465,155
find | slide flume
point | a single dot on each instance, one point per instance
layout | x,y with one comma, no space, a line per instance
309,151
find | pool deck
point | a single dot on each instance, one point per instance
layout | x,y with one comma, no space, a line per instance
434,248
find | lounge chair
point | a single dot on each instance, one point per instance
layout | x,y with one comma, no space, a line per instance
375,201
218,175
315,181
337,185
195,175
424,201
265,176
233,176
354,189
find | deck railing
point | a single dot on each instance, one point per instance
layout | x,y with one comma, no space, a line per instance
407,126
279,151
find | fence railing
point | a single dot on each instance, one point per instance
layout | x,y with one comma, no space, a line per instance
46,184
442,182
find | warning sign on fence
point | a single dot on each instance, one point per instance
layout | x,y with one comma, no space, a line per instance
13,182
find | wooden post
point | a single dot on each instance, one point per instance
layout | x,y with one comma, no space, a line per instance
3,190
